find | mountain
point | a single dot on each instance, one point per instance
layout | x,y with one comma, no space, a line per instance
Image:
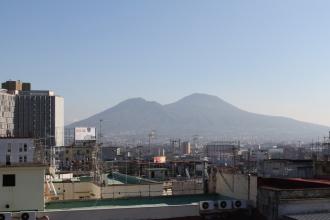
200,114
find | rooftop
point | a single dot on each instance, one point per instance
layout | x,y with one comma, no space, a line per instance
165,200
312,216
119,178
289,160
293,183
23,165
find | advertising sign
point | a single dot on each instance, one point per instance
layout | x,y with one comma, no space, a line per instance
160,159
85,134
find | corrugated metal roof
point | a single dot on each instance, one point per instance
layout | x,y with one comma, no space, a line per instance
315,216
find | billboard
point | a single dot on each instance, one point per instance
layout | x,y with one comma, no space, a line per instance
160,159
85,134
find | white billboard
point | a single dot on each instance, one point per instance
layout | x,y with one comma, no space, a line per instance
85,134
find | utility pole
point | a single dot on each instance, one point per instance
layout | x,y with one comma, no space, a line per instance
100,133
150,135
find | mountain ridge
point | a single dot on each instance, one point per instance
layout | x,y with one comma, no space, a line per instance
197,113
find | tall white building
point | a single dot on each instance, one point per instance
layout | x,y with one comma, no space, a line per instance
40,114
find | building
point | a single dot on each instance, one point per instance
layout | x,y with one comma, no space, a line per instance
12,86
186,148
7,108
110,153
278,198
40,114
31,113
322,169
281,168
258,155
17,151
159,174
76,158
228,183
22,188
222,152
276,153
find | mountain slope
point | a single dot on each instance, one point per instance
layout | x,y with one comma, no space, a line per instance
198,114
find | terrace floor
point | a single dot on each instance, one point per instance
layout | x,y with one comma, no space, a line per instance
164,200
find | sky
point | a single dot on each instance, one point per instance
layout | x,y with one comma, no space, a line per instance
269,57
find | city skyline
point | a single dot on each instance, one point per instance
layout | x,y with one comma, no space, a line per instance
269,58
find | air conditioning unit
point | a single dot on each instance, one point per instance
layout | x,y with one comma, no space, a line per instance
225,204
207,206
28,215
239,204
5,216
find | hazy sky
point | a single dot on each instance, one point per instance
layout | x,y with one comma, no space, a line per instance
270,57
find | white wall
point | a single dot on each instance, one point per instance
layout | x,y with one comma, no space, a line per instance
88,190
187,187
121,191
28,192
73,191
16,144
235,186
59,121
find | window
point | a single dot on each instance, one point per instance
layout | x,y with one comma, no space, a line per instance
25,159
7,159
8,180
25,147
9,148
20,159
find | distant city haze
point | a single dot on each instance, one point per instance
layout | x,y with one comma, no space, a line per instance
268,57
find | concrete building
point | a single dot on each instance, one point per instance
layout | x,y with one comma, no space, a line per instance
159,174
222,152
281,168
276,153
228,183
279,198
259,155
13,86
22,188
76,158
322,169
7,108
40,114
186,148
17,151
31,113
110,153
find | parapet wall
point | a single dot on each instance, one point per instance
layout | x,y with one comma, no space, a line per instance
132,213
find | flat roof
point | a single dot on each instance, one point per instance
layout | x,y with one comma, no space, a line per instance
127,179
23,165
292,183
289,160
163,200
311,216
156,169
